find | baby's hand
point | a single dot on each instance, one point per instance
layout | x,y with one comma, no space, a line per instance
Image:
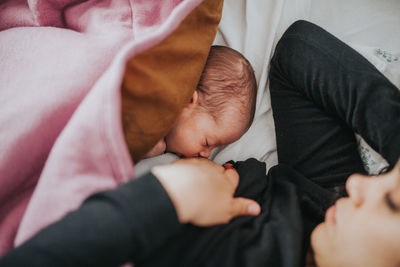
158,149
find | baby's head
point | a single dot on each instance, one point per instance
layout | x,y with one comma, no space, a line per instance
220,110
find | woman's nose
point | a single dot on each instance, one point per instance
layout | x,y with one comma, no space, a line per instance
356,187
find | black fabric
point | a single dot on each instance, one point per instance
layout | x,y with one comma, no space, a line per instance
109,229
274,238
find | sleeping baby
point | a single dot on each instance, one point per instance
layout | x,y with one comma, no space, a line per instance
220,110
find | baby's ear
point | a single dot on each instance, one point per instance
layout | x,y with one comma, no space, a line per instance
194,99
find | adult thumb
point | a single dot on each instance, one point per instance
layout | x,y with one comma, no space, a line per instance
245,206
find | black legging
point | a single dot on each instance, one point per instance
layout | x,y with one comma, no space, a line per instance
322,92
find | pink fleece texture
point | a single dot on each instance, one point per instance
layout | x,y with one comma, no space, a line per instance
61,136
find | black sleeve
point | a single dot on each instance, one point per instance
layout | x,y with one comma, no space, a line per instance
109,229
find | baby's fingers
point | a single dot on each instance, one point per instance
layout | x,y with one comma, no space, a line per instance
244,206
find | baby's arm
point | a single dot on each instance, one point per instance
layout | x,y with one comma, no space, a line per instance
158,149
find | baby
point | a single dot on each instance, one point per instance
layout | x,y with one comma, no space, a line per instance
220,110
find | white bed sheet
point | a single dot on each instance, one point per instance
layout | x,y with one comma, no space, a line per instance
253,27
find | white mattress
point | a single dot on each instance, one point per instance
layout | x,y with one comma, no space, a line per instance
253,27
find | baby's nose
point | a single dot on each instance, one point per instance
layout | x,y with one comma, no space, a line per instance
205,153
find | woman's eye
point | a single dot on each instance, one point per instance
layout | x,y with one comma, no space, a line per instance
392,206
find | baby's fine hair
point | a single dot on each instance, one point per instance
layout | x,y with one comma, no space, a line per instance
227,80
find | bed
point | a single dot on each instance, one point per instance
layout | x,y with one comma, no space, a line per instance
74,104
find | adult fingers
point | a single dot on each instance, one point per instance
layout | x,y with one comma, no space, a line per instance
245,206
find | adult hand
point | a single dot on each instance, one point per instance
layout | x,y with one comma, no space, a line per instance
202,191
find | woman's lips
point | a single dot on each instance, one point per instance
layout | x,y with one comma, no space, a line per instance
330,215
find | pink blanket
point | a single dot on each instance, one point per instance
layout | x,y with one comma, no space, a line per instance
61,138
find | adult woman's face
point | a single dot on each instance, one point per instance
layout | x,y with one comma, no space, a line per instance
364,228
